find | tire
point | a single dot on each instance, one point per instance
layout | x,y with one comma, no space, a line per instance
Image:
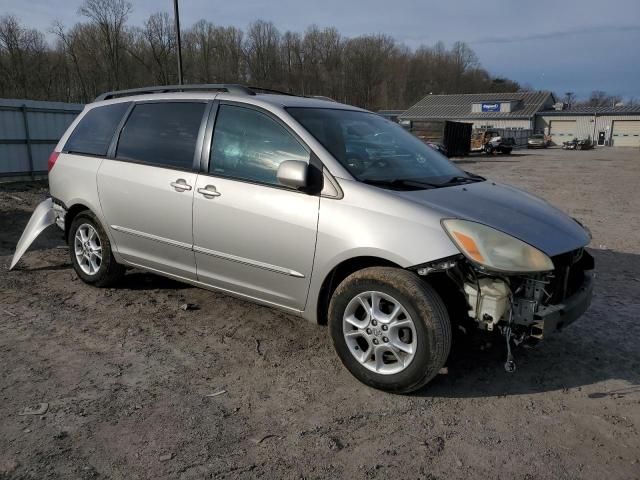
429,340
488,149
101,272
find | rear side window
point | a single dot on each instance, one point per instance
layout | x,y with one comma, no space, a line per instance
162,134
95,130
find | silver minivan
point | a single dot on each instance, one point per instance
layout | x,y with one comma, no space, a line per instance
323,210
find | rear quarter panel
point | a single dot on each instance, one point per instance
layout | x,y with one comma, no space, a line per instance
72,180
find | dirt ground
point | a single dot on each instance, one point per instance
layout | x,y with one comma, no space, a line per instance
126,373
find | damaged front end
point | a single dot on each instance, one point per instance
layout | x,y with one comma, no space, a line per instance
535,305
531,305
522,307
535,298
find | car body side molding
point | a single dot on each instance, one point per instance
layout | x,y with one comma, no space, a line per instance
150,236
247,261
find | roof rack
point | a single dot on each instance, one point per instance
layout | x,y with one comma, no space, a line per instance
270,90
210,87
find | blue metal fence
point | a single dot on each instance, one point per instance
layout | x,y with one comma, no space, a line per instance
29,130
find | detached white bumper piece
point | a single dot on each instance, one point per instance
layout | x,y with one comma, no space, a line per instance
43,216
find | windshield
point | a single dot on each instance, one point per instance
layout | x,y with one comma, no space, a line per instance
377,151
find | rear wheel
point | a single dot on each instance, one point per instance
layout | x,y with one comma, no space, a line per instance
488,149
390,329
91,253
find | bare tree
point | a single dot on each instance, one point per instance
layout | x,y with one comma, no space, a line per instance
24,60
598,98
367,67
102,52
109,16
154,47
213,54
261,48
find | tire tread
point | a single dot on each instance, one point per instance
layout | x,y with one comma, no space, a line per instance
424,298
113,271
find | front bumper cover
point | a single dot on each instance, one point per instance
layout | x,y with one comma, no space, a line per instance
551,318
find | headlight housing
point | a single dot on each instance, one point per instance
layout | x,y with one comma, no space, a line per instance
494,249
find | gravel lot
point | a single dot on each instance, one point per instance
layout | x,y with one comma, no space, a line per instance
126,373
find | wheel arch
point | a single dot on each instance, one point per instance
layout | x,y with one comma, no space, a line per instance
338,273
72,213
77,207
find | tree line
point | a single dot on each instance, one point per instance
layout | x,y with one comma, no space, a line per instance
598,98
104,52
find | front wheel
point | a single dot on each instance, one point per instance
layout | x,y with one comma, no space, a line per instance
91,253
390,329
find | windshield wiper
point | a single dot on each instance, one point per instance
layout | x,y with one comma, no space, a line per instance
473,175
462,179
400,183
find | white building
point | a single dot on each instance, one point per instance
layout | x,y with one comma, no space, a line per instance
611,126
532,112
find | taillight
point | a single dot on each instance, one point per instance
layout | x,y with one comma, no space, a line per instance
52,160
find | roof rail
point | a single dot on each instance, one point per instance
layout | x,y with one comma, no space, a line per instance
204,87
270,90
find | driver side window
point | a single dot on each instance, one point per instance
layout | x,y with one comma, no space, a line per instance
249,145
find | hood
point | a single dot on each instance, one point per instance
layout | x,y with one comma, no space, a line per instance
508,209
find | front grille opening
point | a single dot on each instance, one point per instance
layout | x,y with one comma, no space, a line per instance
568,275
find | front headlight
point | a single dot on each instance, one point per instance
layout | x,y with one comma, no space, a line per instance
495,250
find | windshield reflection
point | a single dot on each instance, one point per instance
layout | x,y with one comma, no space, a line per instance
377,151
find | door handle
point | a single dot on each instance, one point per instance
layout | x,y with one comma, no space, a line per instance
209,192
181,185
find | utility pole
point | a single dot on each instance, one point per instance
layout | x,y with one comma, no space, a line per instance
569,96
176,16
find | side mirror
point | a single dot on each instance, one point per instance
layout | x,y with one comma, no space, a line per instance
293,173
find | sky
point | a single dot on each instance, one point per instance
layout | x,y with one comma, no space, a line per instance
557,45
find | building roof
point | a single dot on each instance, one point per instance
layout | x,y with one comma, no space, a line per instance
457,106
584,110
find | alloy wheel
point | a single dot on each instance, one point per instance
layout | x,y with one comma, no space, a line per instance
379,332
88,249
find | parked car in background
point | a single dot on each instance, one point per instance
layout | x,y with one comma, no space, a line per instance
537,140
323,210
490,142
575,144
